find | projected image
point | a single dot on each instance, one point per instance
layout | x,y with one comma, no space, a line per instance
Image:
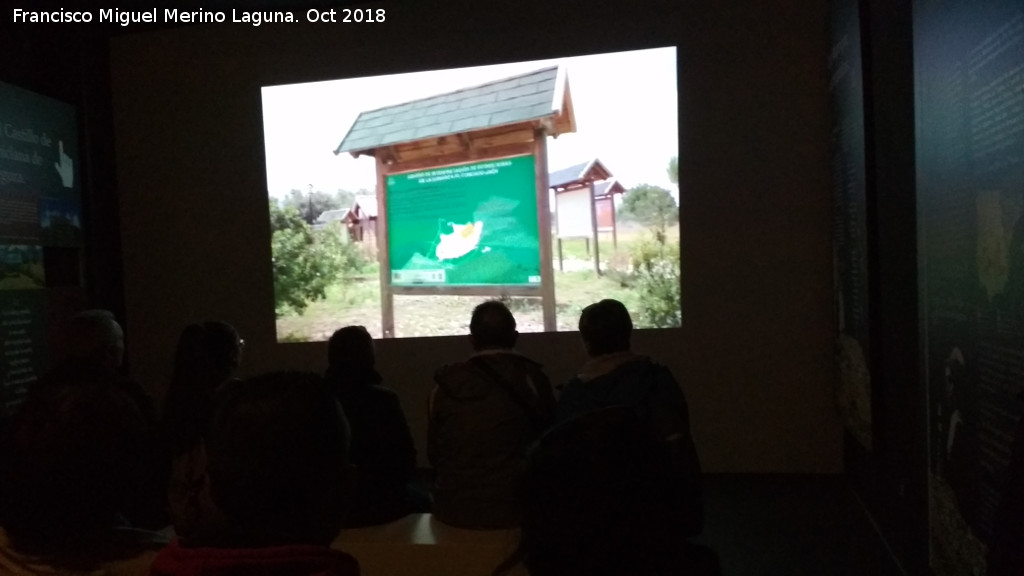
21,267
400,202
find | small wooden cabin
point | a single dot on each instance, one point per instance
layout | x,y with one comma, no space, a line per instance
363,220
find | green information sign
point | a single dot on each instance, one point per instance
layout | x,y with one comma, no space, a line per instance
468,225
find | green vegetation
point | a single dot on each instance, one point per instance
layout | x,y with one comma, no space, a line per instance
307,262
655,267
649,205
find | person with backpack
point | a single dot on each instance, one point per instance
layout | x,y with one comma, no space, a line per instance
484,414
615,376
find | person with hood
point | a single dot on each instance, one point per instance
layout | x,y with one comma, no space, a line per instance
382,447
485,412
615,376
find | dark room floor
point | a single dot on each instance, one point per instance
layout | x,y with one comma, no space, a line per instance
790,525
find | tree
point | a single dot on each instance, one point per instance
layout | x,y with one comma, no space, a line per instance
650,205
306,262
673,169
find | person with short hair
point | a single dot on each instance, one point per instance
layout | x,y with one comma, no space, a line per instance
382,447
484,414
615,376
276,483
94,336
94,339
68,462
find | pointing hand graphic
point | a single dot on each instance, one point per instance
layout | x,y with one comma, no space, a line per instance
65,167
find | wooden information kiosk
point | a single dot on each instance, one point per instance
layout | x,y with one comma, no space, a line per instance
462,190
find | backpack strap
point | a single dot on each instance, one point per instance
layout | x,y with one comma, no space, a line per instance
538,419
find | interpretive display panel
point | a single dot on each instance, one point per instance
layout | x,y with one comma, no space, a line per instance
969,76
39,191
40,199
468,225
574,214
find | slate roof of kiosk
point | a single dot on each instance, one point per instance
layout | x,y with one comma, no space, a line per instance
608,187
507,101
579,174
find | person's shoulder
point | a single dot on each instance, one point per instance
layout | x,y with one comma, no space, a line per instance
382,394
511,358
451,369
646,366
460,380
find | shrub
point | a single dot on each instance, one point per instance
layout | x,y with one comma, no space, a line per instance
656,274
306,261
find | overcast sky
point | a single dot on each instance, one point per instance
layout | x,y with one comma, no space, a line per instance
626,108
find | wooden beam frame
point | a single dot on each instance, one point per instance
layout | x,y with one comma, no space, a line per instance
547,270
495,291
507,145
387,299
481,155
593,230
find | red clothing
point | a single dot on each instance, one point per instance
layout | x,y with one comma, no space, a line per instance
296,560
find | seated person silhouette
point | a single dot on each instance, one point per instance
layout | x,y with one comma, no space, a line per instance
93,338
382,448
69,458
615,376
484,414
207,355
276,483
594,503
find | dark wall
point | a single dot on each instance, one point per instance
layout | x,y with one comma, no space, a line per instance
755,349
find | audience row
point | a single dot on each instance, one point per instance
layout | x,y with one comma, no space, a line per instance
599,475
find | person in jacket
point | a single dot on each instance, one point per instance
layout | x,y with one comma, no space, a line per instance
382,448
615,376
484,414
275,486
594,503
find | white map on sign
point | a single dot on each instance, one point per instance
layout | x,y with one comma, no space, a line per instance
463,239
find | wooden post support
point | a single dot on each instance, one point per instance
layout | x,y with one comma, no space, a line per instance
561,268
593,230
547,269
615,223
387,297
